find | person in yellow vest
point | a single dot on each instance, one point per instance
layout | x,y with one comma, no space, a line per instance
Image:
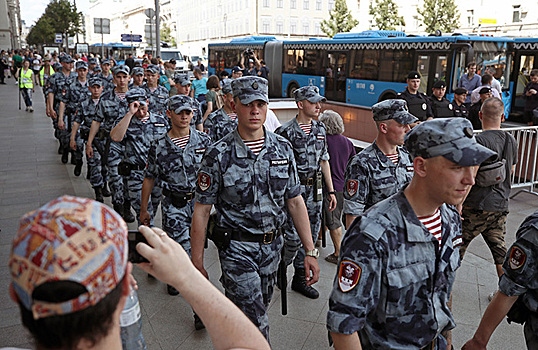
26,85
45,72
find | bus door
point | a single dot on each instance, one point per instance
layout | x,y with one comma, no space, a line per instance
523,64
432,66
336,76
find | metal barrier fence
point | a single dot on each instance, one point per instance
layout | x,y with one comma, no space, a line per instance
525,175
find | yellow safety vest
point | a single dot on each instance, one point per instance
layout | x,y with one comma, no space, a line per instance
42,74
25,80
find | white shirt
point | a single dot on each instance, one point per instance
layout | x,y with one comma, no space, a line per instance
271,121
475,95
496,85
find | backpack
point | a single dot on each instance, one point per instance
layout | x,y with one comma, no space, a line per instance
493,173
219,100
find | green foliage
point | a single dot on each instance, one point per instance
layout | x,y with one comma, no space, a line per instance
166,35
60,16
385,15
340,20
440,14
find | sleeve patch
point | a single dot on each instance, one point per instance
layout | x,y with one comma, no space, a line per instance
457,241
352,187
517,258
204,181
348,275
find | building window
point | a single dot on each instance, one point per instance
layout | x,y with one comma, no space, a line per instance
516,13
317,28
470,17
293,4
331,5
265,3
279,27
306,28
279,4
266,26
306,4
293,28
318,5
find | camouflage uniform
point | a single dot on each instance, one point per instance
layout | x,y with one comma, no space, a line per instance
309,150
136,71
58,86
521,275
158,99
218,124
394,281
249,193
198,116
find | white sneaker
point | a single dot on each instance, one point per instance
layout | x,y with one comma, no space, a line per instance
491,295
26,109
31,109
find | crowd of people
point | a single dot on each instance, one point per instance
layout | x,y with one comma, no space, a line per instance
204,151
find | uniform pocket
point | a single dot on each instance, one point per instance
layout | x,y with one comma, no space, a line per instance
408,290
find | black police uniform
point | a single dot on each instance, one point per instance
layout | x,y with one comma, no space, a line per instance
474,116
441,108
461,110
418,104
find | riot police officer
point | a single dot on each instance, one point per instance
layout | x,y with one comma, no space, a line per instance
417,102
224,120
157,94
460,109
440,105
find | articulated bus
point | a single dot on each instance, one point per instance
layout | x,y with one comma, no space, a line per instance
525,59
364,68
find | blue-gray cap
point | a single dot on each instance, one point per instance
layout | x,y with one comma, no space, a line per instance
153,69
121,69
97,69
57,67
309,93
105,61
178,103
136,94
66,59
451,138
95,81
138,71
182,79
226,86
249,89
81,65
92,60
393,109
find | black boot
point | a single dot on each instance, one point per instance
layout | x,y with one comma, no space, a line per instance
73,159
78,167
106,191
99,194
118,208
65,155
298,284
127,215
60,149
198,324
87,173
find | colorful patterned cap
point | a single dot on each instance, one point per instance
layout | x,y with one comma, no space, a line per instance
393,109
451,138
138,71
81,65
137,94
310,93
249,89
68,239
121,69
95,81
226,86
178,103
153,69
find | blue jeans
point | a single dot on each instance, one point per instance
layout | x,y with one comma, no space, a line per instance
27,96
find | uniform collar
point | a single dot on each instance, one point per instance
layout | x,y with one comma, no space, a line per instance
382,157
242,150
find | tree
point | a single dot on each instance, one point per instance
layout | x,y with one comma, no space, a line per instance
385,15
440,14
166,35
42,32
340,20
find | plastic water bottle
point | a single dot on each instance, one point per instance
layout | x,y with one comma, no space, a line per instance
131,324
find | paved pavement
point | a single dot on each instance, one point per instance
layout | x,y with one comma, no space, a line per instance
31,174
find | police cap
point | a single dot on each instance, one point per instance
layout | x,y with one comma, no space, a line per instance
413,75
249,89
393,109
310,93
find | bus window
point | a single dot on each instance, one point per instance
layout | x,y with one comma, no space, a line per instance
423,67
386,64
440,68
335,76
403,64
459,69
305,62
355,62
526,64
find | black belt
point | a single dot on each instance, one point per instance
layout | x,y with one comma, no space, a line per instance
244,236
187,196
308,182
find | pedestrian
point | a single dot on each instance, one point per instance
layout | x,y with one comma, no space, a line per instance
440,105
340,150
237,72
106,74
486,82
26,84
213,95
264,70
224,120
36,67
460,109
199,86
517,297
129,61
486,207
307,137
530,94
417,102
224,75
250,178
495,84
474,111
399,258
183,85
470,81
383,168
138,77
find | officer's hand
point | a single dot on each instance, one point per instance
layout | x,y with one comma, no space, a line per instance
61,124
332,202
200,267
89,151
53,114
73,144
133,107
167,260
473,345
144,217
311,268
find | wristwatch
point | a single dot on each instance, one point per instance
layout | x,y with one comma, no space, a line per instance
314,253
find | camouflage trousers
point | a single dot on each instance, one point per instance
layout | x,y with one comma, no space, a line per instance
65,135
117,188
292,244
79,152
177,222
98,174
134,183
491,225
248,275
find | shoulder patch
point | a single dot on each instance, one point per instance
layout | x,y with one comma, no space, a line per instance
352,187
517,258
457,241
204,181
349,275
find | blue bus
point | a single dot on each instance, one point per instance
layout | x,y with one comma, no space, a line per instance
524,59
364,68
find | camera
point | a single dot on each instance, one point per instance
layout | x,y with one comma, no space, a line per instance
248,53
134,237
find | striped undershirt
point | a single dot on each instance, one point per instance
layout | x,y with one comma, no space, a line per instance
120,95
433,224
306,127
181,142
255,145
393,157
232,116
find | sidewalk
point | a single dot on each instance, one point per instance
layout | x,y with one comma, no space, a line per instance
32,174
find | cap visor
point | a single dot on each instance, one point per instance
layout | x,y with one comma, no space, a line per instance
182,108
405,118
473,154
317,99
253,97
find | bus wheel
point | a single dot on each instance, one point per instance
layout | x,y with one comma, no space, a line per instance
389,95
291,89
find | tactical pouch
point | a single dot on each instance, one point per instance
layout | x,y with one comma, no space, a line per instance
103,134
179,200
519,313
124,168
318,188
84,133
220,236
